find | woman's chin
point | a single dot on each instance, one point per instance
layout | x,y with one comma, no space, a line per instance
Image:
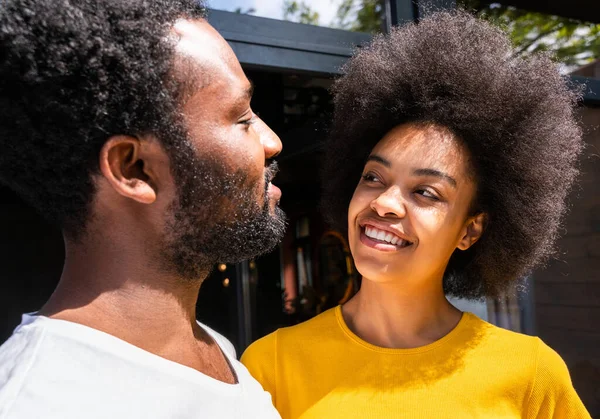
377,272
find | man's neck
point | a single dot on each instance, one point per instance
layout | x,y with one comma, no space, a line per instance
121,291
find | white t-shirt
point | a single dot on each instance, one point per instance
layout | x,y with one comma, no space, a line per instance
55,369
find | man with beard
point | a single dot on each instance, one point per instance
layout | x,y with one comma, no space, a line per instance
128,123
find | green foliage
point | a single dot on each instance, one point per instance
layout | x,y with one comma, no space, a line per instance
300,12
248,11
571,42
352,15
360,15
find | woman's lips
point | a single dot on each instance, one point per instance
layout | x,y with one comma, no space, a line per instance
381,245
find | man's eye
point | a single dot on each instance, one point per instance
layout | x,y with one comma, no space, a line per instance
248,121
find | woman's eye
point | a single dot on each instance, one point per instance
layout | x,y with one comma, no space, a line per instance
427,194
370,177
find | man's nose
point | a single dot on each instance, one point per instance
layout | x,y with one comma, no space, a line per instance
269,140
389,203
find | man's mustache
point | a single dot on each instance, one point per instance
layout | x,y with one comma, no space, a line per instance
271,171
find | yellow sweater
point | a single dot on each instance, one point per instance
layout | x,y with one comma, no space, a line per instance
320,369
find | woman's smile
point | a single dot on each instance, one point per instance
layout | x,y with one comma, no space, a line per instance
383,238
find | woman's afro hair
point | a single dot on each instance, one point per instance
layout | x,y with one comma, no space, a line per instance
514,114
72,74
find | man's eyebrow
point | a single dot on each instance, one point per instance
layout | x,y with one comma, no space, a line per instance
250,91
244,97
379,159
436,173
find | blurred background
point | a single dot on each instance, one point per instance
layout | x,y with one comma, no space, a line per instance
292,50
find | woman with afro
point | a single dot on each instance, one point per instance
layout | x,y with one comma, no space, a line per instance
449,162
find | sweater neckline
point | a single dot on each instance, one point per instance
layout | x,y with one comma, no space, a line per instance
464,320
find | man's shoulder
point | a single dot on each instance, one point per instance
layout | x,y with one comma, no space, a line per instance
22,344
17,356
19,351
41,367
47,373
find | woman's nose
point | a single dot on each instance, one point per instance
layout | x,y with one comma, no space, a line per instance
389,203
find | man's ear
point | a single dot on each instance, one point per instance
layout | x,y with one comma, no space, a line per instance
472,231
122,165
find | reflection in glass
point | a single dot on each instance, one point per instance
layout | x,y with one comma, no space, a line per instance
352,15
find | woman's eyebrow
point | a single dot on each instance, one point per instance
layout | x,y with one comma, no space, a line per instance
379,159
436,173
416,172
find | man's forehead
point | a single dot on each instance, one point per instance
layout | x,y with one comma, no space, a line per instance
200,45
199,41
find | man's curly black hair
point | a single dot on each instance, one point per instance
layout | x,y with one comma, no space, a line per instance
515,116
72,74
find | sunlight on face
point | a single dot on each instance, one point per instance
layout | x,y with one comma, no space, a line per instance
410,210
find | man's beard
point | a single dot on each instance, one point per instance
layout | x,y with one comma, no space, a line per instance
217,216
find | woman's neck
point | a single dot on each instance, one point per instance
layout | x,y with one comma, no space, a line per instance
392,316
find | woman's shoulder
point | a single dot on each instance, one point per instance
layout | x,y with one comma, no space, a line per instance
552,392
317,327
530,351
504,339
311,330
519,358
489,345
262,357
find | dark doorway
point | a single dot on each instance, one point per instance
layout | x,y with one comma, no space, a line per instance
31,260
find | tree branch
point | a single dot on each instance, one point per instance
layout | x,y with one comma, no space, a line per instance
539,36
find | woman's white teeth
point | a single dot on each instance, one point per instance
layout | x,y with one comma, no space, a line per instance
383,236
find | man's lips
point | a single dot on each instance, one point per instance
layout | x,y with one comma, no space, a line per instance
274,192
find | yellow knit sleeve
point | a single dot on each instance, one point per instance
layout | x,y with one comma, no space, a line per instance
261,360
552,394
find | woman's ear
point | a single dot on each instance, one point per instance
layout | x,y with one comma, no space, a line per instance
122,165
472,231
